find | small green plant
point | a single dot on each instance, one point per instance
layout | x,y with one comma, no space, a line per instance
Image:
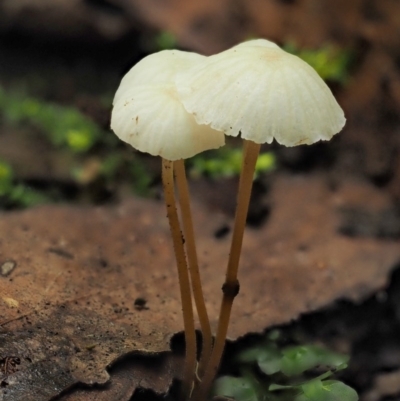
331,62
112,170
14,194
141,179
274,373
165,40
6,178
63,126
227,162
67,130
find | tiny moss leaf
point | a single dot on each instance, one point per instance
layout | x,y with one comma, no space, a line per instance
238,388
329,390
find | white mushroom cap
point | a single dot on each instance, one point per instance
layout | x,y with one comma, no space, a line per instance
258,90
157,68
148,114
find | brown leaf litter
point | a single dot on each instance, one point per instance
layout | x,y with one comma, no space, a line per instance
90,285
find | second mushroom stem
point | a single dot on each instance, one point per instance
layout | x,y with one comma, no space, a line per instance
184,283
231,286
184,201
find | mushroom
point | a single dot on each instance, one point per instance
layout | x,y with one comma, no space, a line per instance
260,92
148,115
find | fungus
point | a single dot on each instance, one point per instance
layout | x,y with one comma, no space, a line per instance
260,92
148,115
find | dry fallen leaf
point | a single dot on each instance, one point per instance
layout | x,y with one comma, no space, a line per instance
135,373
90,285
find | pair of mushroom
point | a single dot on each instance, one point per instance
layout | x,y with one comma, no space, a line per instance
176,104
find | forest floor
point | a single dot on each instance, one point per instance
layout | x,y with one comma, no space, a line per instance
78,249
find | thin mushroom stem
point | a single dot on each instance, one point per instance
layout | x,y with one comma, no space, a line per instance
231,286
184,283
186,214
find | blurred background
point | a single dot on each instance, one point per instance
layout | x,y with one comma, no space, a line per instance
61,62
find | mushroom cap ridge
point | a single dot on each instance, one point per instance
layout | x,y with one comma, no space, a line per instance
258,90
149,115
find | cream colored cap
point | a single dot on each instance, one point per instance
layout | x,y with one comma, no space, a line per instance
157,68
258,90
149,115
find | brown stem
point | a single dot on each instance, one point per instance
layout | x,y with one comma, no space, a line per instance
184,201
184,284
231,286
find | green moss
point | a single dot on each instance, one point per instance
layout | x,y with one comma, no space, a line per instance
269,371
14,194
6,178
331,62
227,162
165,40
141,179
68,130
63,126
